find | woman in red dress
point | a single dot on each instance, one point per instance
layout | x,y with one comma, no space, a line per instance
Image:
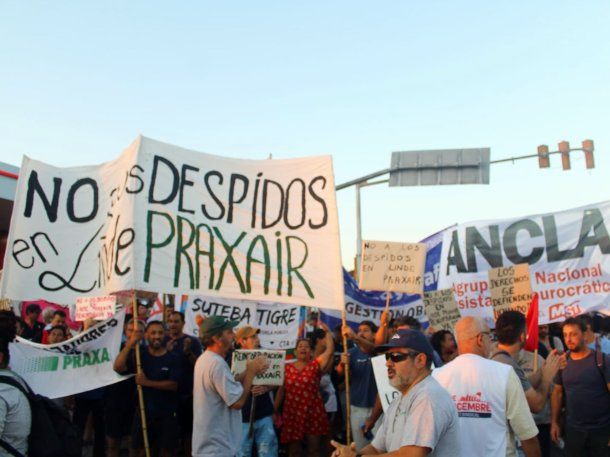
304,417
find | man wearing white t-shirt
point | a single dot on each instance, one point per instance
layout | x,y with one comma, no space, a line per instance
423,420
217,394
491,404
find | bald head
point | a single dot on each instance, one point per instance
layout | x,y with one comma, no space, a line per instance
470,334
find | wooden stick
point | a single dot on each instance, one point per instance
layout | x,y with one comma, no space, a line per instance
535,360
252,412
387,300
138,371
348,408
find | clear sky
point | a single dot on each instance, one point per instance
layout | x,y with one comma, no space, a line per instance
354,79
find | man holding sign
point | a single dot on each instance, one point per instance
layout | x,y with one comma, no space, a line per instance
217,394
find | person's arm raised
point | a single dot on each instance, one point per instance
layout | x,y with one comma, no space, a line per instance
323,359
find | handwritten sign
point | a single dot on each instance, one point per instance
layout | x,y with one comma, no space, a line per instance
392,266
274,376
441,308
161,218
510,288
98,308
387,393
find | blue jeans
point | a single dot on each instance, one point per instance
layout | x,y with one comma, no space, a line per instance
264,437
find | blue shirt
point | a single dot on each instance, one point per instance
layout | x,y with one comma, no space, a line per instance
362,380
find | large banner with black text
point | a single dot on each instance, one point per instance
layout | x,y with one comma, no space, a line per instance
161,218
567,252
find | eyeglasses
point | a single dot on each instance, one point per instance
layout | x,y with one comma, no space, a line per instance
396,357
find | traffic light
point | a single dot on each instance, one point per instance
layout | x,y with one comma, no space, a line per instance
587,146
543,156
564,148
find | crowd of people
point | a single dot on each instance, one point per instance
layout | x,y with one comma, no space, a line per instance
474,392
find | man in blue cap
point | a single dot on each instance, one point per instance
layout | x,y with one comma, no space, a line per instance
218,395
423,419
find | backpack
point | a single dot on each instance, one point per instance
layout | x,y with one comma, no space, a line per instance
52,433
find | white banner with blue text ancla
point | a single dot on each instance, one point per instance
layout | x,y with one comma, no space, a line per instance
79,364
568,253
161,218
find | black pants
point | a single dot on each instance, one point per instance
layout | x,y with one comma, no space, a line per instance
82,408
587,443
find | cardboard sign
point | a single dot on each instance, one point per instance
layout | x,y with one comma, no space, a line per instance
387,393
274,376
392,266
441,309
161,218
510,288
98,308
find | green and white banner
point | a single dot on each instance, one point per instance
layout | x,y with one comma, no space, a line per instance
79,364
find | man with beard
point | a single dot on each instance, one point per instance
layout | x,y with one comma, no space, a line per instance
585,383
423,419
161,372
217,394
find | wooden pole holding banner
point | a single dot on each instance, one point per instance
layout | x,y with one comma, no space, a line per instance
535,360
348,408
138,371
252,411
387,301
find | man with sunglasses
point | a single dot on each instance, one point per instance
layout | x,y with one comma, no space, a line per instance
491,404
423,420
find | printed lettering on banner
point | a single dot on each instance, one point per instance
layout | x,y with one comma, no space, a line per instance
161,218
392,266
82,363
387,393
278,324
441,309
568,254
274,376
510,288
99,308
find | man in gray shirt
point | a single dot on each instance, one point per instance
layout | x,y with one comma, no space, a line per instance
511,333
15,413
423,419
217,394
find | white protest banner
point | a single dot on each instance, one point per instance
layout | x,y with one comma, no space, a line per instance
161,218
567,252
99,308
274,376
79,364
279,324
387,393
392,266
441,309
510,288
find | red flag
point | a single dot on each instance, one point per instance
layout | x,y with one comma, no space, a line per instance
531,325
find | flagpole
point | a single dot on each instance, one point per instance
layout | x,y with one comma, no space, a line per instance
348,430
138,371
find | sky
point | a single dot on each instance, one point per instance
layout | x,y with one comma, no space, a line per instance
356,80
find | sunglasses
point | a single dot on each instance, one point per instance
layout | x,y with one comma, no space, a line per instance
396,357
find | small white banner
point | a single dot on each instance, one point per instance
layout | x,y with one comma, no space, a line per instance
98,308
77,365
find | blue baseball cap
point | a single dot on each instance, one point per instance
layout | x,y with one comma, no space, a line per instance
408,339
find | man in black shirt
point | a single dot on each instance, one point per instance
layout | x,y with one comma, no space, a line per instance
187,349
585,383
161,371
32,330
263,432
